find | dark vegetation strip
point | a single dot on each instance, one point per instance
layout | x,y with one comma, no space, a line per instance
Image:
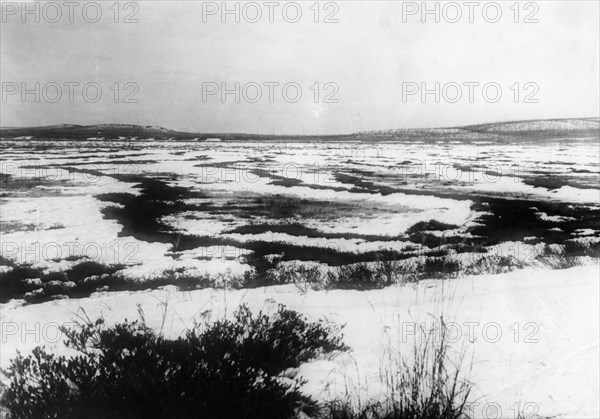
22,279
90,163
290,182
548,181
511,219
297,229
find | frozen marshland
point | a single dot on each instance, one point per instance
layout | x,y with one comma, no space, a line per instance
312,210
494,227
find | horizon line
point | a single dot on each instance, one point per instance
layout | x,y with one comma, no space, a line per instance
58,125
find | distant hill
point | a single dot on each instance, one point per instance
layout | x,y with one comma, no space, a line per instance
133,132
533,129
540,125
106,131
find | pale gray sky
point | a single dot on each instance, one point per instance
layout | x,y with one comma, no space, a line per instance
368,55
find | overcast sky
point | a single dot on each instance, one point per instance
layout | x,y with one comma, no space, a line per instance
175,53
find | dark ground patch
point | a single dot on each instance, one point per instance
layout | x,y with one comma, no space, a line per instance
363,186
511,219
285,206
289,182
422,233
140,215
550,182
431,225
515,219
14,284
10,227
30,185
296,229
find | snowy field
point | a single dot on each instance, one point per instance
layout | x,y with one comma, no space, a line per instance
499,234
532,337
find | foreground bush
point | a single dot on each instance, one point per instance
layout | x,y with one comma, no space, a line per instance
231,370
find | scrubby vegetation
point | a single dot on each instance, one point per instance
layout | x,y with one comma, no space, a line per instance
233,369
36,285
85,276
367,275
425,384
